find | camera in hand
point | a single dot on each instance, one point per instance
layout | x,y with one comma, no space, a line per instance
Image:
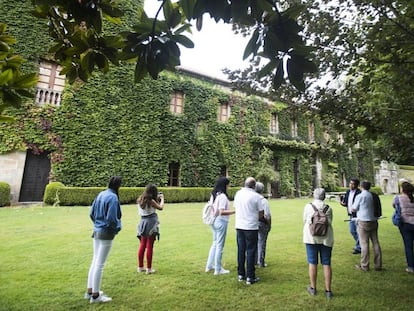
159,196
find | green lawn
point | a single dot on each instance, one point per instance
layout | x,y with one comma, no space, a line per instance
45,255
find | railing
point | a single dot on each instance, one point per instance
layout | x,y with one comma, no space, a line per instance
48,96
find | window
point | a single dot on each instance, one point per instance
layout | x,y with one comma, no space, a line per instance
274,124
224,112
173,174
294,128
223,170
177,102
50,85
311,131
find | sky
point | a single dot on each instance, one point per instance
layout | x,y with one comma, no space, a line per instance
216,46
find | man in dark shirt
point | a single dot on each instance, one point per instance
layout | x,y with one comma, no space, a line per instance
347,201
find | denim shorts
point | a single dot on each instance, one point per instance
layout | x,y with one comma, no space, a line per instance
325,252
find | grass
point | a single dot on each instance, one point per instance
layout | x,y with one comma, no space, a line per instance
45,254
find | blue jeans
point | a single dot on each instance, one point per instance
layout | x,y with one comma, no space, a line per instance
407,233
354,233
264,229
247,248
219,228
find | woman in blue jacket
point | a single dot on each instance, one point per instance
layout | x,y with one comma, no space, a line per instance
105,214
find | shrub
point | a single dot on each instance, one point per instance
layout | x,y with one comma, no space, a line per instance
57,194
376,190
51,195
4,193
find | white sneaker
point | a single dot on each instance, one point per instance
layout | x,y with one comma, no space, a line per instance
150,271
222,271
89,296
100,299
208,269
141,269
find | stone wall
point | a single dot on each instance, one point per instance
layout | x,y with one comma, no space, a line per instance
11,172
387,177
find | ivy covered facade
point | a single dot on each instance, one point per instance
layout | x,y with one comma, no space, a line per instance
183,129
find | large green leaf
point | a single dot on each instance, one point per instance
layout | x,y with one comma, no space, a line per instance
102,62
7,39
295,73
188,7
88,62
6,76
183,40
11,98
268,68
25,81
4,47
253,44
278,77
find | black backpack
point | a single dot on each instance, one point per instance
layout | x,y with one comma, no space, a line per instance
377,205
319,221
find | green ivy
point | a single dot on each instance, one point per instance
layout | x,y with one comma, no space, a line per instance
111,125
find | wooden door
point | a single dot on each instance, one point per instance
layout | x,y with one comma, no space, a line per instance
35,177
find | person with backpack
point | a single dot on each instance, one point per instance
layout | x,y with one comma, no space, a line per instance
319,239
347,201
221,204
406,201
367,224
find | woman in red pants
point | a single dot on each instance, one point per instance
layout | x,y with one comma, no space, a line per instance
148,203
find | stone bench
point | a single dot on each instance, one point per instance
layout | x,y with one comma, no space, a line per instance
335,195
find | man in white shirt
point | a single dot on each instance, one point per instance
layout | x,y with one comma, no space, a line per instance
367,224
248,208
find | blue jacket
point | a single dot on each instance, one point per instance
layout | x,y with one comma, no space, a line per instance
106,213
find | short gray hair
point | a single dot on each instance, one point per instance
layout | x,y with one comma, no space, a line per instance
319,194
250,182
259,187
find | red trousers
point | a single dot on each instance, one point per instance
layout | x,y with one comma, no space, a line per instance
146,244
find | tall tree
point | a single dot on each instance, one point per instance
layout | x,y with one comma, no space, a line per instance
14,85
365,55
82,45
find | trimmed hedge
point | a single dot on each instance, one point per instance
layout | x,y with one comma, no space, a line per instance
4,194
57,194
50,196
375,189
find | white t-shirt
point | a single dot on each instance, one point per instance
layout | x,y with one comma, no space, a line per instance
222,203
266,208
146,211
247,204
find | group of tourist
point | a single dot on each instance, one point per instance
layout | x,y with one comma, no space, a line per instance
252,223
105,214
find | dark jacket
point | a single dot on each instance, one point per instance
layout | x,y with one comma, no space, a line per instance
345,201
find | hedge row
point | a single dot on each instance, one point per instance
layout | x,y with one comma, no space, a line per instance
375,189
58,194
4,194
